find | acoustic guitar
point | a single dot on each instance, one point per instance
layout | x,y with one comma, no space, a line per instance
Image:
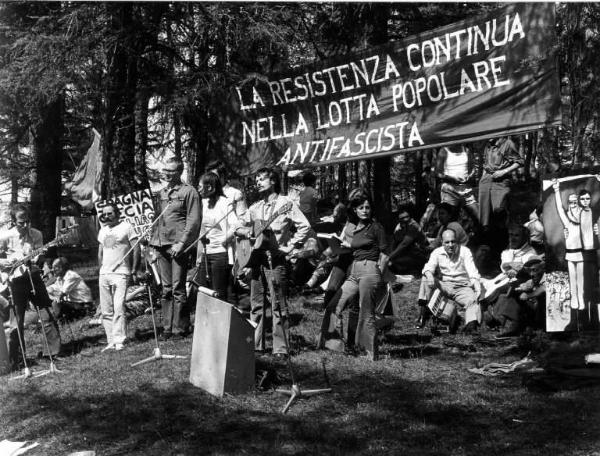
262,240
492,287
17,268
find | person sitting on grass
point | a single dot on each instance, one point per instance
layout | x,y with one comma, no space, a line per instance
451,269
69,292
532,294
409,251
501,310
525,305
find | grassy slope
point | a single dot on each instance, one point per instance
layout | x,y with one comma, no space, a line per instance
418,400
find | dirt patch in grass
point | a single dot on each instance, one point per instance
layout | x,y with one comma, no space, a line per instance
419,399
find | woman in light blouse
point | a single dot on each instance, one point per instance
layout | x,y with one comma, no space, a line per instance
219,223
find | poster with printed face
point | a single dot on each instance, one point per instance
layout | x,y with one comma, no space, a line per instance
136,208
570,217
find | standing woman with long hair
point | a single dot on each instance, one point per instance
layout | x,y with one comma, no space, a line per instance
219,223
369,251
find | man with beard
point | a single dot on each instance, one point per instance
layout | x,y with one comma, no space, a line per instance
268,260
115,240
451,269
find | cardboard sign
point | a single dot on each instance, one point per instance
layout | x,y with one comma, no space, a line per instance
136,208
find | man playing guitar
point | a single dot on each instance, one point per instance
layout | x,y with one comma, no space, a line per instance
25,283
277,244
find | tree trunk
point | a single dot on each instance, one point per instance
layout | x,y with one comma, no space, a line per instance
363,175
119,137
342,181
378,17
418,170
47,151
141,137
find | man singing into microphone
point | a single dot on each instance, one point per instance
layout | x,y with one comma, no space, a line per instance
180,205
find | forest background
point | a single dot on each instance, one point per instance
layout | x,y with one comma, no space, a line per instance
156,78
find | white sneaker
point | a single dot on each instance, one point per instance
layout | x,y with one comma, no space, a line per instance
119,347
108,347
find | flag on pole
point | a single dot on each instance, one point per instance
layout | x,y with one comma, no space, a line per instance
85,185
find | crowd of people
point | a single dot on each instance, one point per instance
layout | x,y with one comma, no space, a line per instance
484,265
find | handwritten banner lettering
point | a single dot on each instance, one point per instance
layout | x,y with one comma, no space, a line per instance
136,208
479,78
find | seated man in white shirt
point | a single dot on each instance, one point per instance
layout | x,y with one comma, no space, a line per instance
501,310
519,251
69,291
451,269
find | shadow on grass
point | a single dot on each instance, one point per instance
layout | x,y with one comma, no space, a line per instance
415,351
376,413
74,346
407,339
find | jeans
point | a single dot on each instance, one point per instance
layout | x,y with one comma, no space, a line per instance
173,271
113,289
337,277
364,279
331,327
259,290
219,272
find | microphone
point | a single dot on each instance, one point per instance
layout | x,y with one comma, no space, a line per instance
208,291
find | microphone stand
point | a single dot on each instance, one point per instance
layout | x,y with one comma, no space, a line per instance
26,371
295,391
142,236
52,369
210,229
206,272
157,354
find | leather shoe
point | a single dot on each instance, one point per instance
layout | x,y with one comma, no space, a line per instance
280,356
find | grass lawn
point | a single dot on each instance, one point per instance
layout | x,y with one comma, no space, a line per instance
419,399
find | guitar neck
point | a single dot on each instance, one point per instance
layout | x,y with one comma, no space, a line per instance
282,210
33,254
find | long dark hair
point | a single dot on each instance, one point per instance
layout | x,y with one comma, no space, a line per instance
212,180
